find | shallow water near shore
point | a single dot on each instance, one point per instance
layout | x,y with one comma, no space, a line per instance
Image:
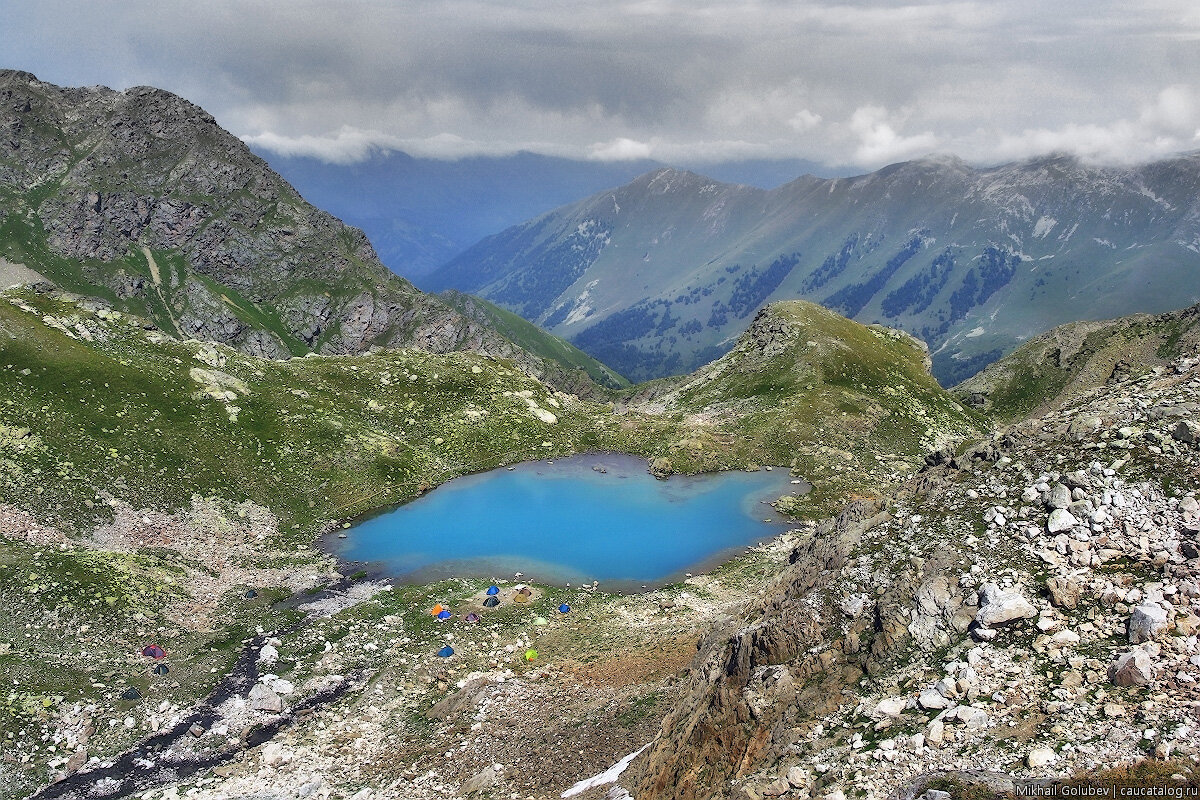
591,517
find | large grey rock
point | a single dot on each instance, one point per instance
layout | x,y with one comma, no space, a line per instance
998,606
262,698
1134,668
481,781
1060,496
1147,622
1081,427
1186,431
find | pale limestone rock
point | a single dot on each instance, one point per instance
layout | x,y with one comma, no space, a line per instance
932,699
998,606
262,698
891,707
1061,520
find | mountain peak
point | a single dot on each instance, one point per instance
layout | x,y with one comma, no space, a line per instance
143,199
671,179
17,76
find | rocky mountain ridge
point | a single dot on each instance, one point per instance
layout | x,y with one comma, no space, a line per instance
660,275
139,198
1070,360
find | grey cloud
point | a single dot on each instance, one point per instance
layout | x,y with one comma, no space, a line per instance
848,83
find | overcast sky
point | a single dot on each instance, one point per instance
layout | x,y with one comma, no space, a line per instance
846,84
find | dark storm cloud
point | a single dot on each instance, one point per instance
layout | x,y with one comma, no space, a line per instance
849,83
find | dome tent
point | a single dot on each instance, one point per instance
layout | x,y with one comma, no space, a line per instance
492,602
446,652
493,589
154,651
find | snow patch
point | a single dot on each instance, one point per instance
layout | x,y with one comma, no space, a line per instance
971,334
582,308
609,775
1043,227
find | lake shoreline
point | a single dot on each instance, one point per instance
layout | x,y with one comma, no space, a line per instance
550,478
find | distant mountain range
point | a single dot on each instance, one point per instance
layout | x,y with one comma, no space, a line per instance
421,212
660,275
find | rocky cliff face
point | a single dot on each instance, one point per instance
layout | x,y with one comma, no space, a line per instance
139,197
1028,607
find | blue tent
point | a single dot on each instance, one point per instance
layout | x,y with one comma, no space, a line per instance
446,651
564,608
444,614
493,590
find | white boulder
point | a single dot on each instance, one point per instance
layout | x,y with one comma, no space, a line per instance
998,606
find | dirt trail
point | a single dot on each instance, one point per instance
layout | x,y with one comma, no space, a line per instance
156,276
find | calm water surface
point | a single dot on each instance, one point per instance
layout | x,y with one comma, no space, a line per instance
570,521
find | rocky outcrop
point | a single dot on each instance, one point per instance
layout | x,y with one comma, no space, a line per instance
748,683
1070,361
153,202
922,641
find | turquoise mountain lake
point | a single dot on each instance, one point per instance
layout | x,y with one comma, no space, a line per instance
593,517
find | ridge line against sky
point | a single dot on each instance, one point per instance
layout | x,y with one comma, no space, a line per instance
849,84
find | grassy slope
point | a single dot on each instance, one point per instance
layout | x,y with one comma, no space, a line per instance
1071,360
533,338
315,439
98,405
843,404
92,402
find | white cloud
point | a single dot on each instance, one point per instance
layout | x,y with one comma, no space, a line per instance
620,149
346,146
1167,125
879,142
804,120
